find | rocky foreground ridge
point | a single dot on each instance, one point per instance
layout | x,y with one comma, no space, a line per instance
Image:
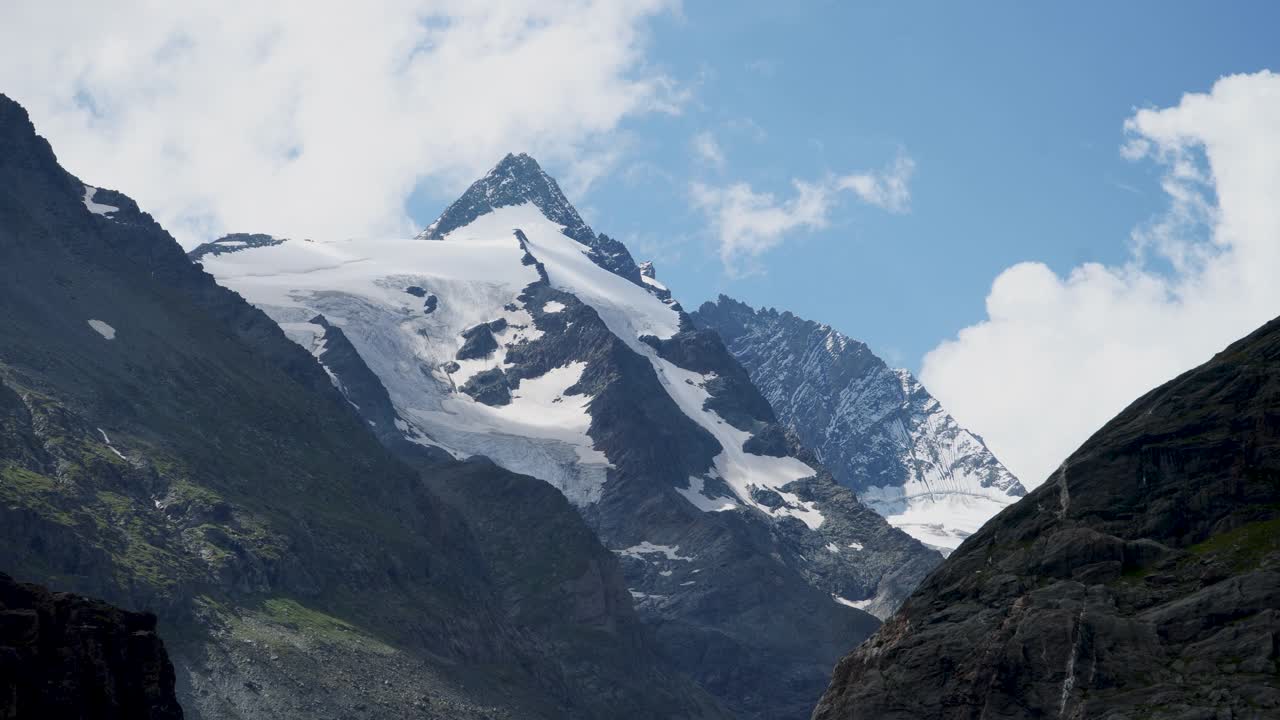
1142,580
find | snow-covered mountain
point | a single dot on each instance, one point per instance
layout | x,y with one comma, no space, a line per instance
876,428
510,329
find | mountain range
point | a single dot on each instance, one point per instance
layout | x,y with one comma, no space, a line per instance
876,428
164,446
510,329
494,470
497,471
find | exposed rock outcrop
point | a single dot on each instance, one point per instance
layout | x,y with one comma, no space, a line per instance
67,656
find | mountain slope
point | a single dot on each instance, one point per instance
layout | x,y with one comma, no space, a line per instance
876,428
511,330
1142,580
163,445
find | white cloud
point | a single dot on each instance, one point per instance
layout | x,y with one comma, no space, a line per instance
708,150
888,189
1059,356
747,223
281,117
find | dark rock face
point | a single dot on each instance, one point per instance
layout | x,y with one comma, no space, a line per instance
225,244
479,343
519,179
560,584
489,387
1142,580
66,656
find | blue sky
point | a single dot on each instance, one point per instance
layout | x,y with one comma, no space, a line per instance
1013,113
1009,281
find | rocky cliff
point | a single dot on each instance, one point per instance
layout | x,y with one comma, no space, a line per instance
1142,580
66,656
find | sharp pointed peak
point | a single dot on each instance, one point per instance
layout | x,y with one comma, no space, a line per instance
516,179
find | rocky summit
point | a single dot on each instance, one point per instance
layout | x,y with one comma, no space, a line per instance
1142,580
876,428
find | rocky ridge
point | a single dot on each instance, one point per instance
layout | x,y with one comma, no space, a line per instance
877,428
1142,580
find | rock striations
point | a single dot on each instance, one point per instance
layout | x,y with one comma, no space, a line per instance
876,428
1142,580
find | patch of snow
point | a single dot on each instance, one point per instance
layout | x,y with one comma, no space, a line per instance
97,209
934,517
103,329
859,604
665,573
686,584
553,306
627,309
855,545
833,548
652,283
740,469
695,494
647,548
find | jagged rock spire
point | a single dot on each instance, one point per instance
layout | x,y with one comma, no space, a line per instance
518,179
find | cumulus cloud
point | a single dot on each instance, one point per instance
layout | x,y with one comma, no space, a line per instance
278,117
1058,356
747,223
708,150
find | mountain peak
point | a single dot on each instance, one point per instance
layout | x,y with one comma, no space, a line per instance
515,180
519,179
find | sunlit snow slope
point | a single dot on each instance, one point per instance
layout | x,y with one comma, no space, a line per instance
371,289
